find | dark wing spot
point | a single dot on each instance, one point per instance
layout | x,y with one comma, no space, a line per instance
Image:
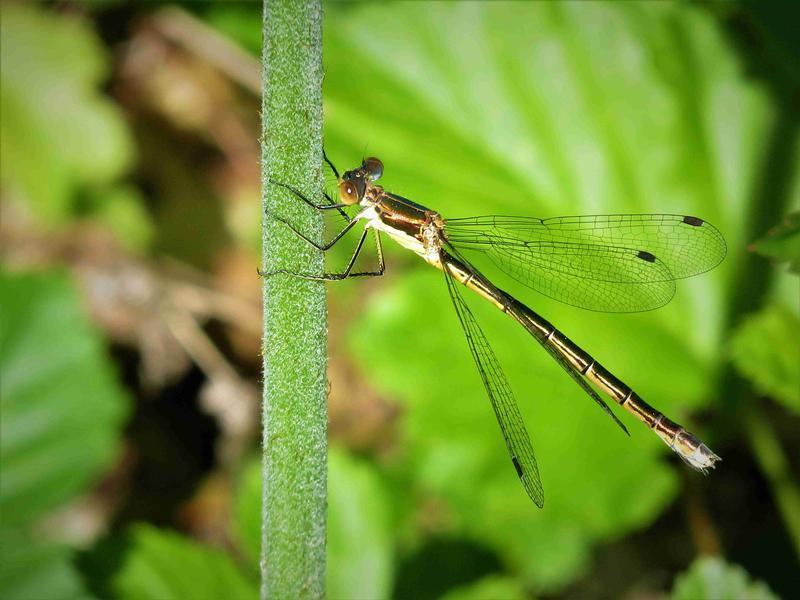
645,255
517,466
693,221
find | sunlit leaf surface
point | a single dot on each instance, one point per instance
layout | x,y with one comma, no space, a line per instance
246,521
165,566
359,536
488,588
58,134
541,109
37,570
713,578
765,349
61,415
61,404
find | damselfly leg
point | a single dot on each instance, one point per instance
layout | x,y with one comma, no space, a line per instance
330,164
348,271
324,247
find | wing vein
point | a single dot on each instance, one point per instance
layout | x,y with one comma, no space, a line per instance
610,263
501,396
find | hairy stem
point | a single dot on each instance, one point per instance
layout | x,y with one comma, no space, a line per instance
295,338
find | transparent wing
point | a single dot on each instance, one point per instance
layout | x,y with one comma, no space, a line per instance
610,263
502,398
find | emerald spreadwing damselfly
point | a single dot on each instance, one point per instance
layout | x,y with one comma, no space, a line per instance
612,263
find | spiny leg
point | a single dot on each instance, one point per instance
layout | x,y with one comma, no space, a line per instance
348,270
296,192
327,246
331,204
330,164
324,247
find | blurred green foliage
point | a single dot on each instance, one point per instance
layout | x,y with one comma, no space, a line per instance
62,413
713,578
782,243
162,565
64,145
246,522
62,406
765,349
360,542
235,20
32,569
488,588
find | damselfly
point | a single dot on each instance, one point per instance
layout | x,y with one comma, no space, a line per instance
615,263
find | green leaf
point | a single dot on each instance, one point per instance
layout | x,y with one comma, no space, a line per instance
122,210
35,570
360,557
246,522
489,588
57,132
236,22
61,404
713,578
764,349
782,242
161,565
542,109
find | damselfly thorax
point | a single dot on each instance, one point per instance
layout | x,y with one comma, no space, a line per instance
411,225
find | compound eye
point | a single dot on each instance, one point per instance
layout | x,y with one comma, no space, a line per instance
348,192
373,168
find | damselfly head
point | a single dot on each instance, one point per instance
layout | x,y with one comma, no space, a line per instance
353,184
373,168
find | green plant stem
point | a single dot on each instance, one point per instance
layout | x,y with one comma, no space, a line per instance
295,339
